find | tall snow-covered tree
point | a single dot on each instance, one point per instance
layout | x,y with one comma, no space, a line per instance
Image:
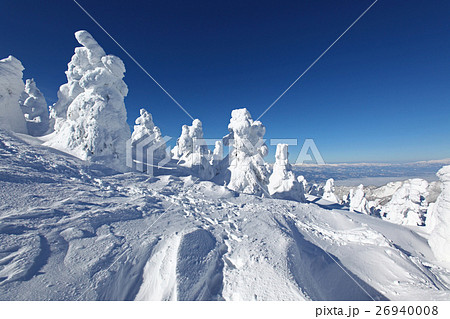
192,152
145,131
408,204
358,201
328,191
248,172
35,109
90,116
282,182
11,87
440,219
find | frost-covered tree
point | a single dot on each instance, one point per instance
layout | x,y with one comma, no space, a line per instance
11,87
328,191
192,152
408,204
282,182
90,116
247,170
218,151
145,131
357,200
440,219
35,109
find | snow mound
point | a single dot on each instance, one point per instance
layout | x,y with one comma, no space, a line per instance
90,116
440,219
408,205
192,152
34,107
248,171
11,86
282,182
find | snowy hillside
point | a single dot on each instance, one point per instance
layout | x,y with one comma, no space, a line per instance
69,231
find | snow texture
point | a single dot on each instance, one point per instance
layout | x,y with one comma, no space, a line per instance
248,172
69,231
440,219
282,182
35,109
408,205
90,116
192,152
11,87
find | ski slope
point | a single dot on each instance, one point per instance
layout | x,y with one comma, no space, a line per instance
74,231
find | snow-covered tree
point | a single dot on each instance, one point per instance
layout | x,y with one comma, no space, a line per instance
282,182
328,191
192,152
147,132
357,201
440,219
248,172
408,204
35,109
302,180
218,151
90,116
11,87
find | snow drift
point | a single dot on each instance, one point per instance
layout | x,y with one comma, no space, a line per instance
74,232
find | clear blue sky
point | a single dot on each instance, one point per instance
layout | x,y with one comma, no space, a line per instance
380,94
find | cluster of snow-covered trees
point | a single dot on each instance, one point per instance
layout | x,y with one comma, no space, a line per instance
89,120
23,108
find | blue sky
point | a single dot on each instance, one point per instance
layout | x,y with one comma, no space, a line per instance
381,94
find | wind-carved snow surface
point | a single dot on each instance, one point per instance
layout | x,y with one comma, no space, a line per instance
11,87
440,219
408,205
69,231
282,182
246,169
90,117
35,109
192,152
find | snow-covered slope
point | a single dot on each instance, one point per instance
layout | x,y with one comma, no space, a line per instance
69,231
